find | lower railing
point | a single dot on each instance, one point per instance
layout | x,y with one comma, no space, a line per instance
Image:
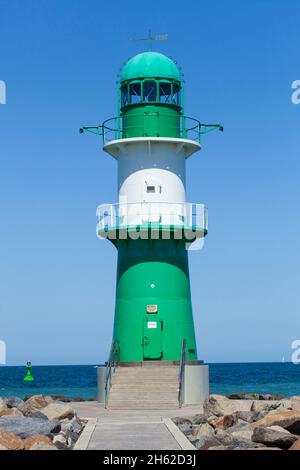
111,365
182,374
180,126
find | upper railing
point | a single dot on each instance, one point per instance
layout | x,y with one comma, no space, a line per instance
179,126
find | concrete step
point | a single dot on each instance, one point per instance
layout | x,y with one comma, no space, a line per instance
151,387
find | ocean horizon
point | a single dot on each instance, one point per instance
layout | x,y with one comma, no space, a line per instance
81,380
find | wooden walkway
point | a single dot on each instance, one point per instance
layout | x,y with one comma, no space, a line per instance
131,430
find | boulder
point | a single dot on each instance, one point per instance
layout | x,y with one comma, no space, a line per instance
265,405
25,427
43,446
13,402
58,411
33,404
287,419
273,437
184,424
244,396
3,406
202,430
224,422
273,396
205,442
61,441
10,441
11,412
36,439
243,434
220,405
296,445
38,414
249,416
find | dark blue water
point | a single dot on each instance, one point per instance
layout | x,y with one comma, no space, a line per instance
80,381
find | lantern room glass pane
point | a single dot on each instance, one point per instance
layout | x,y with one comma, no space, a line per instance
149,91
176,95
135,93
165,92
124,95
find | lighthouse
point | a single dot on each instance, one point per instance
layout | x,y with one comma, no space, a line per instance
152,225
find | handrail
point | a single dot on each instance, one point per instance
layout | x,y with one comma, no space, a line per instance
182,373
189,127
112,363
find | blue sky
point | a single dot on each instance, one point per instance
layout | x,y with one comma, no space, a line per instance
60,60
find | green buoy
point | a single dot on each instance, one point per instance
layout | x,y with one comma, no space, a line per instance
28,377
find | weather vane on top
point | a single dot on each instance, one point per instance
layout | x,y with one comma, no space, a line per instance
153,37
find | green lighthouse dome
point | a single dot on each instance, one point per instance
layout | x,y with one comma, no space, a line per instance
150,65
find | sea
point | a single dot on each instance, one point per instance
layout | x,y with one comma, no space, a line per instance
81,380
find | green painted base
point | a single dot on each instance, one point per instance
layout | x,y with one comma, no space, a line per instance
153,301
28,378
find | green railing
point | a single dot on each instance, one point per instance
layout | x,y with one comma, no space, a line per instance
183,127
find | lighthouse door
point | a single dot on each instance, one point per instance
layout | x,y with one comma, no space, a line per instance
152,343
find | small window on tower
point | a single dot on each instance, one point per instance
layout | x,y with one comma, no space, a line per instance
135,93
150,189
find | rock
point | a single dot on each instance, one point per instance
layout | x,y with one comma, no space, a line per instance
219,405
61,398
265,405
13,402
76,424
224,422
287,419
58,411
240,425
10,441
3,406
279,428
249,416
295,403
42,446
206,442
198,419
296,445
33,404
221,447
61,441
202,430
39,414
36,439
11,412
73,436
244,396
274,396
273,438
184,424
243,434
25,427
